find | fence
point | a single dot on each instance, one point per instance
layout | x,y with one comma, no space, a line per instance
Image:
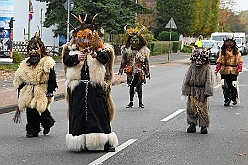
21,47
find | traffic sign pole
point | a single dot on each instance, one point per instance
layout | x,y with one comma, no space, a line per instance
170,25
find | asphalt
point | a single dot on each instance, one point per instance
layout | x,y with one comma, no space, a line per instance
8,95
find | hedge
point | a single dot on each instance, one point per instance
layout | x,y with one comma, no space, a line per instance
162,47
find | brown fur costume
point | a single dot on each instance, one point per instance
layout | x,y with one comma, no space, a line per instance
198,85
229,62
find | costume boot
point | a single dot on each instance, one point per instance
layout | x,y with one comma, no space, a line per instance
227,96
141,105
227,102
47,121
33,123
204,130
191,128
234,99
130,104
109,148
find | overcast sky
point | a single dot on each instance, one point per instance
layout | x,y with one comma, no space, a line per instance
242,4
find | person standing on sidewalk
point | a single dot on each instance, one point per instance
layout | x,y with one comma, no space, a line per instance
198,86
35,80
198,43
229,64
135,63
88,64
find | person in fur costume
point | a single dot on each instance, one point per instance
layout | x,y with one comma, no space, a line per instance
88,64
135,63
35,80
198,86
229,64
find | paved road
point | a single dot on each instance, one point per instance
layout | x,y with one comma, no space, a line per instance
8,99
155,134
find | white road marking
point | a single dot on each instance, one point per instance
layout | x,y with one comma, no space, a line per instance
109,154
173,115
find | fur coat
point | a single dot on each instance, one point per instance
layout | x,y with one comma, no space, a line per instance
139,60
229,63
198,86
99,74
33,94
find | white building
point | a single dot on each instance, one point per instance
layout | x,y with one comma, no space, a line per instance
21,18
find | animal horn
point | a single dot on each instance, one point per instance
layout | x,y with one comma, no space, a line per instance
125,28
79,19
143,28
92,22
38,35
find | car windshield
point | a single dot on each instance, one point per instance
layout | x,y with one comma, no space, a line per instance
221,37
238,41
209,44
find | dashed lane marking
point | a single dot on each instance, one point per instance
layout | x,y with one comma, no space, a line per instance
173,115
109,154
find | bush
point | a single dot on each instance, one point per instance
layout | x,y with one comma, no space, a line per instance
175,46
165,36
18,57
186,49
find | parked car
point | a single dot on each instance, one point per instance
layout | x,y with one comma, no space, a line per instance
214,51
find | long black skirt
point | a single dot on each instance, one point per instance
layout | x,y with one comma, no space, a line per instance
88,110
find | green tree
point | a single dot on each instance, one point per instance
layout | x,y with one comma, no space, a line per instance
192,17
231,20
113,15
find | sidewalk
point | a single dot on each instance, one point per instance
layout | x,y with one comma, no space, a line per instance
9,100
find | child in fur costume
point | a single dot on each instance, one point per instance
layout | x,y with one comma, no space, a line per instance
35,80
198,86
89,72
229,64
135,55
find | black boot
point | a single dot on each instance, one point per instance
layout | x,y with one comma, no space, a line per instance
47,121
109,148
234,100
204,130
227,101
130,105
141,105
46,131
191,128
33,123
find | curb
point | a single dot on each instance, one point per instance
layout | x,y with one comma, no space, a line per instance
57,97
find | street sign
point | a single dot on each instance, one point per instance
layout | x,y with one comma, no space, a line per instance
171,24
71,6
